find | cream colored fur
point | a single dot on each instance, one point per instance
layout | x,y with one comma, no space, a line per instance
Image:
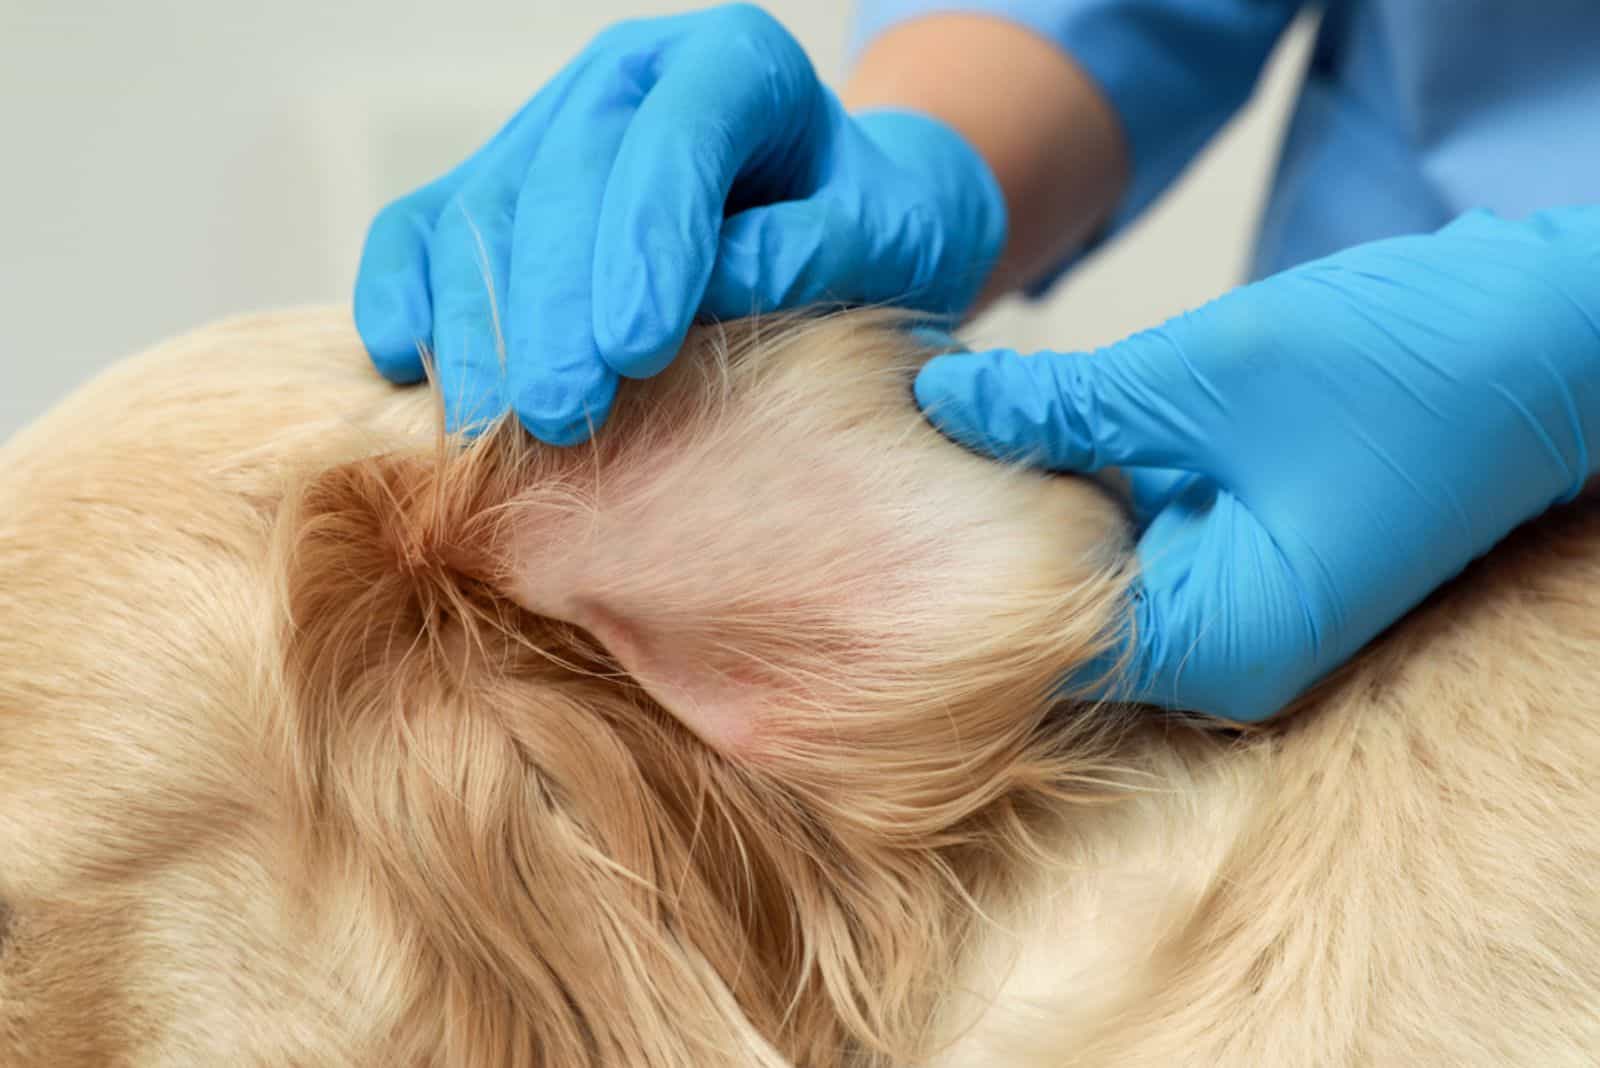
303,762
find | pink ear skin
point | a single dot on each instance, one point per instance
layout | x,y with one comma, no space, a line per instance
720,704
775,545
781,614
729,657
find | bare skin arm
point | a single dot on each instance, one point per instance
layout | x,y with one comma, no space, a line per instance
1051,138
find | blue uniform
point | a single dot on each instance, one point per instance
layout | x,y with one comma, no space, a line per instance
1413,111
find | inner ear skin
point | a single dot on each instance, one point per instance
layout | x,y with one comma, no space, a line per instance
718,704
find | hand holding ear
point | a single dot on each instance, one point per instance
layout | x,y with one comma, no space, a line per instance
680,166
1313,454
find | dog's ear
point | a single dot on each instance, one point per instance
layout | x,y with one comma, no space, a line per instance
818,584
719,688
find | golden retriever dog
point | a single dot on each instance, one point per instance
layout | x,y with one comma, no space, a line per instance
735,738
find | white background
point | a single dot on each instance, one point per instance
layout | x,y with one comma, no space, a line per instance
166,162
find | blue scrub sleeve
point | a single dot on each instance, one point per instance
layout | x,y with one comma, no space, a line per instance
1174,71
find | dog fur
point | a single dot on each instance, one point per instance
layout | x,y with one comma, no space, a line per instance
732,739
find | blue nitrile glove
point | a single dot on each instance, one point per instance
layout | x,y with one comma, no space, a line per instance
1352,433
682,165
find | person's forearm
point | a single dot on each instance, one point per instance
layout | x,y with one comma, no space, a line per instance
1052,140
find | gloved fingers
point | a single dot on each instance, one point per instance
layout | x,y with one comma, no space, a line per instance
1121,406
467,261
734,97
935,211
787,255
558,383
1166,643
1123,672
393,302
1163,653
394,305
1223,622
471,270
394,310
1152,489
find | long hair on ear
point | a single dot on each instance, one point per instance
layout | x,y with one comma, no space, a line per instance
506,827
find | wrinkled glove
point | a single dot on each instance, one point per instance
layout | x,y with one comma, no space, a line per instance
1313,454
679,166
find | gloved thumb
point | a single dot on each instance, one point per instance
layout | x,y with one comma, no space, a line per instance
1136,403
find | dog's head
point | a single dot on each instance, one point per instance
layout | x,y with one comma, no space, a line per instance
326,740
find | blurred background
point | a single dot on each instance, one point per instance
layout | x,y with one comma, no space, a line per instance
168,162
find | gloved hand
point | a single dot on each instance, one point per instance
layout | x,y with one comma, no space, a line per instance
1319,450
682,165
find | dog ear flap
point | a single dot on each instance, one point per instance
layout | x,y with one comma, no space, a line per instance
810,612
781,551
714,691
723,621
